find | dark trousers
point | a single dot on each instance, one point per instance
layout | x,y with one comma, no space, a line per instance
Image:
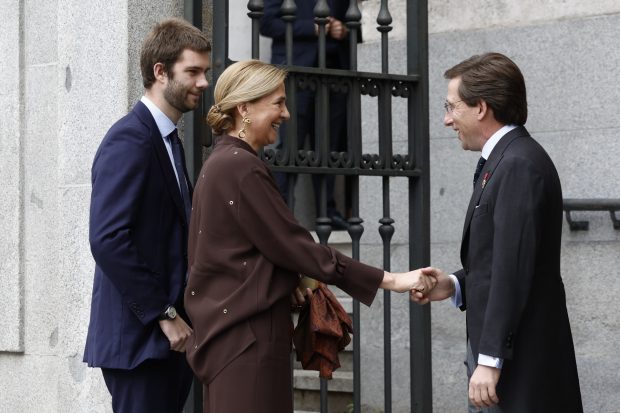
155,386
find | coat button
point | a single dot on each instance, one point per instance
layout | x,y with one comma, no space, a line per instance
245,263
225,311
230,202
193,292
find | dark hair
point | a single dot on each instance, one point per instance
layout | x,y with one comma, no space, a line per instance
497,80
165,43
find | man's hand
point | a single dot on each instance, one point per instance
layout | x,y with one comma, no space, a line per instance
337,29
177,331
442,288
407,281
482,386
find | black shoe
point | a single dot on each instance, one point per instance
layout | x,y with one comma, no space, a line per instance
339,223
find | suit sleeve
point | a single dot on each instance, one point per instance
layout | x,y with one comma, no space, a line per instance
272,228
119,176
272,25
516,242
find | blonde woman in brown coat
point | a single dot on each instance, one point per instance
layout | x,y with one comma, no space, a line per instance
246,251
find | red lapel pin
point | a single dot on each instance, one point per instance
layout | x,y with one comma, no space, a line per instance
485,179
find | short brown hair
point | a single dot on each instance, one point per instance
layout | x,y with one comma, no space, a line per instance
497,80
165,43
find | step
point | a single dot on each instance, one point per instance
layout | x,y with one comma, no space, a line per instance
342,381
310,401
345,357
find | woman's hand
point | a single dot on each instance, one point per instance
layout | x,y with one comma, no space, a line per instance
299,299
413,281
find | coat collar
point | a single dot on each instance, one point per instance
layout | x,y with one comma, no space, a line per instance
228,140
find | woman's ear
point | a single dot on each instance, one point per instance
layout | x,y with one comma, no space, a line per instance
242,108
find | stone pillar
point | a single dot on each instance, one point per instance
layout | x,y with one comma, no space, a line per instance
11,101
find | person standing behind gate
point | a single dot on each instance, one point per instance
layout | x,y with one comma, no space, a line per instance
139,214
520,348
306,53
246,251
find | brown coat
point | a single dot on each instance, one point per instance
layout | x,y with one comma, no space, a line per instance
246,250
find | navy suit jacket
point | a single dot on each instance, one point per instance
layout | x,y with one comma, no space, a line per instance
138,238
511,283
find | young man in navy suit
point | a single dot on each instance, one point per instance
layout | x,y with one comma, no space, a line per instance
139,215
520,348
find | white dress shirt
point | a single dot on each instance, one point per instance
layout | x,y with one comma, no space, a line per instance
165,126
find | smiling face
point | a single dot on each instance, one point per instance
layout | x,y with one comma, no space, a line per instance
463,119
266,114
186,82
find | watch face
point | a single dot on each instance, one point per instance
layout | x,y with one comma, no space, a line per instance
171,312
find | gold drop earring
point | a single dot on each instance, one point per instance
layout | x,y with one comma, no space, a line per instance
246,121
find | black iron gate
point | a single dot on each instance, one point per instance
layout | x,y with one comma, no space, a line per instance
413,166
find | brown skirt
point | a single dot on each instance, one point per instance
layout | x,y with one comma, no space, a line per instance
259,379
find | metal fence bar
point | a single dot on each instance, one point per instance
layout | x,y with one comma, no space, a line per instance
354,148
386,230
419,202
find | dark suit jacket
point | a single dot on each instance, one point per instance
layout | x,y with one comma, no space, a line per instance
511,283
246,250
138,238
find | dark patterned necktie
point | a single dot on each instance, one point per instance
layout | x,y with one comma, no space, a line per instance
178,155
479,167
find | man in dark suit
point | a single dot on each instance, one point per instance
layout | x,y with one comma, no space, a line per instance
521,356
306,53
139,215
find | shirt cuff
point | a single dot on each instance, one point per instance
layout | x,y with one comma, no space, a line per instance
457,300
489,361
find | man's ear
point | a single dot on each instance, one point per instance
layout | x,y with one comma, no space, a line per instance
159,70
483,109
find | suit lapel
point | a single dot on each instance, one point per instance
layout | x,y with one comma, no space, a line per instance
485,176
170,179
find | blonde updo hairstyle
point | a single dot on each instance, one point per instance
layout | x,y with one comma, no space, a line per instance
244,81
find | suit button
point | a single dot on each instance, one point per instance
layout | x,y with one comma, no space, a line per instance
225,311
193,292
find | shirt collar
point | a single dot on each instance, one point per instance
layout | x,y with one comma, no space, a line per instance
490,144
164,124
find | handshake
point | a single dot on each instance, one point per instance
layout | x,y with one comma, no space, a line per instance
424,284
